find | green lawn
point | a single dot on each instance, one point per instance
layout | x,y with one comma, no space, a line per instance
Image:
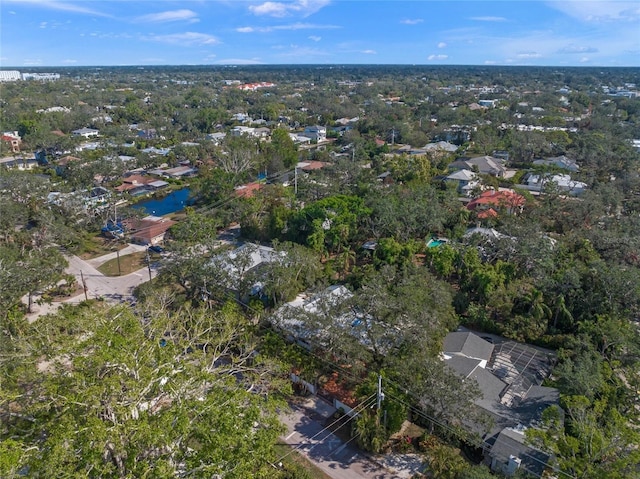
96,246
128,264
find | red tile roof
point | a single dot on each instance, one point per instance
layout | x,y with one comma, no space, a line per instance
248,190
491,199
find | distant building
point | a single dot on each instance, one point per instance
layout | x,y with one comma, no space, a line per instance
490,202
41,76
486,165
86,132
561,162
12,138
316,133
564,183
10,75
248,190
243,131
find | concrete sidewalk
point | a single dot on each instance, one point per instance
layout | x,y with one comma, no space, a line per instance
131,248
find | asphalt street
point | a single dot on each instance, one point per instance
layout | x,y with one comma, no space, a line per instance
114,289
339,460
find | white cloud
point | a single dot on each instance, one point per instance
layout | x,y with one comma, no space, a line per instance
292,26
185,39
170,16
489,19
32,62
442,45
280,9
528,55
573,48
62,6
315,38
43,24
490,62
584,59
69,62
412,21
369,52
437,57
599,11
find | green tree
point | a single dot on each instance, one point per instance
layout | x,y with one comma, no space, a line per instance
112,397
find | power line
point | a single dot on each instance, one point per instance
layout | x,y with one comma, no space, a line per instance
370,401
485,446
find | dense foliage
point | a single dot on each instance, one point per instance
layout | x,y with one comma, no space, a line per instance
107,392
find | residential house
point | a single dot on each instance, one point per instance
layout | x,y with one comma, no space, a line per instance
248,190
455,135
561,162
440,147
465,181
147,134
150,230
291,318
262,132
466,344
316,133
309,166
501,155
11,162
12,138
216,138
152,150
564,183
134,182
233,267
490,202
86,132
509,377
180,172
487,103
487,165
299,139
243,131
510,453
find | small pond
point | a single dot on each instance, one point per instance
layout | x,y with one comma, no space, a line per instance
171,203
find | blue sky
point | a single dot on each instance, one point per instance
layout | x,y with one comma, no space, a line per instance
204,32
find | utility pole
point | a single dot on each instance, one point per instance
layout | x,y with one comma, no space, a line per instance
148,264
118,256
84,286
380,398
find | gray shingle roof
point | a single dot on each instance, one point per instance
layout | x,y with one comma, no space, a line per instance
467,344
511,442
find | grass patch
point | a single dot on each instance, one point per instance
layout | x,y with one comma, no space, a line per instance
298,461
97,246
128,264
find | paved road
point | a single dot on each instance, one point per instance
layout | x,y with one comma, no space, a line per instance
110,288
337,459
114,289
